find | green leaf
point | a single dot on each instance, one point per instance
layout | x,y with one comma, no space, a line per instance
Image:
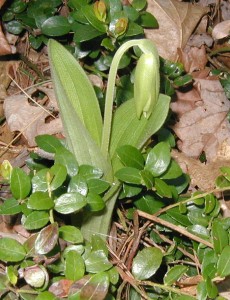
11,250
57,175
133,29
10,207
56,26
147,179
91,17
84,32
97,186
69,203
131,157
40,201
90,287
78,184
201,291
146,263
173,171
47,239
158,159
183,80
46,295
98,243
210,203
74,266
139,4
48,143
39,181
129,175
211,288
12,274
90,172
36,220
223,265
148,204
226,172
219,236
162,189
20,183
196,216
95,202
67,159
70,234
147,20
97,261
199,230
174,274
14,27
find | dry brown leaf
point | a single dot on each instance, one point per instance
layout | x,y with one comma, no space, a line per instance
204,127
177,21
225,9
6,68
30,119
5,47
221,30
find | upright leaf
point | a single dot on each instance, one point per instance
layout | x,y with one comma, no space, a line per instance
20,183
11,250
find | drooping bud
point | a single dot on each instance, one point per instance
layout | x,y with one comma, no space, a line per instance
146,84
118,27
99,8
6,169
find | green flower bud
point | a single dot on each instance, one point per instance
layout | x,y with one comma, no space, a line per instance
100,10
6,169
146,84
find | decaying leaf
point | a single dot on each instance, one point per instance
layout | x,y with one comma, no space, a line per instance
5,47
221,30
204,128
177,21
26,117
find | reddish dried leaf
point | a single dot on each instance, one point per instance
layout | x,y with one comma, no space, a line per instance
4,45
61,288
47,239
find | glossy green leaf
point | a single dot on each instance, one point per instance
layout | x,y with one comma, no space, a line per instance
40,201
183,80
36,220
219,236
146,263
223,265
176,215
97,186
174,274
70,234
199,230
90,172
162,188
74,266
78,184
57,175
93,20
211,288
113,275
12,274
20,183
10,207
210,203
85,32
173,171
222,182
14,27
69,203
48,143
47,239
226,172
210,259
147,179
11,250
201,291
95,202
90,287
129,175
196,216
67,159
139,4
46,295
98,243
39,181
56,26
97,261
158,159
131,157
129,190
133,29
147,20
148,204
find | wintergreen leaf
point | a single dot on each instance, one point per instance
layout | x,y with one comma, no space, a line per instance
46,295
39,181
98,243
131,157
223,265
56,26
67,159
158,159
10,207
139,4
162,188
146,19
147,179
211,288
47,239
20,183
84,32
70,234
74,266
97,186
69,203
219,236
14,27
129,175
210,203
36,220
11,250
148,204
97,261
40,201
12,274
93,20
146,263
78,184
49,143
36,276
196,216
199,230
201,291
95,202
57,174
174,274
90,172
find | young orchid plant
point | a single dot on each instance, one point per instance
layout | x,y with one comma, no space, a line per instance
94,141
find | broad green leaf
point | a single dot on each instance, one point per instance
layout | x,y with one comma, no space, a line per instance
12,274
147,179
69,203
162,189
74,266
49,143
173,171
84,32
199,230
56,26
129,175
158,159
78,184
98,243
131,157
223,265
113,275
196,216
20,183
57,175
146,19
47,239
10,207
36,220
40,201
14,27
70,234
90,172
201,291
93,20
148,204
39,181
210,203
36,276
210,259
90,287
67,159
146,263
180,218
97,186
97,261
211,288
219,236
226,172
95,202
174,274
133,29
46,295
11,250
139,4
